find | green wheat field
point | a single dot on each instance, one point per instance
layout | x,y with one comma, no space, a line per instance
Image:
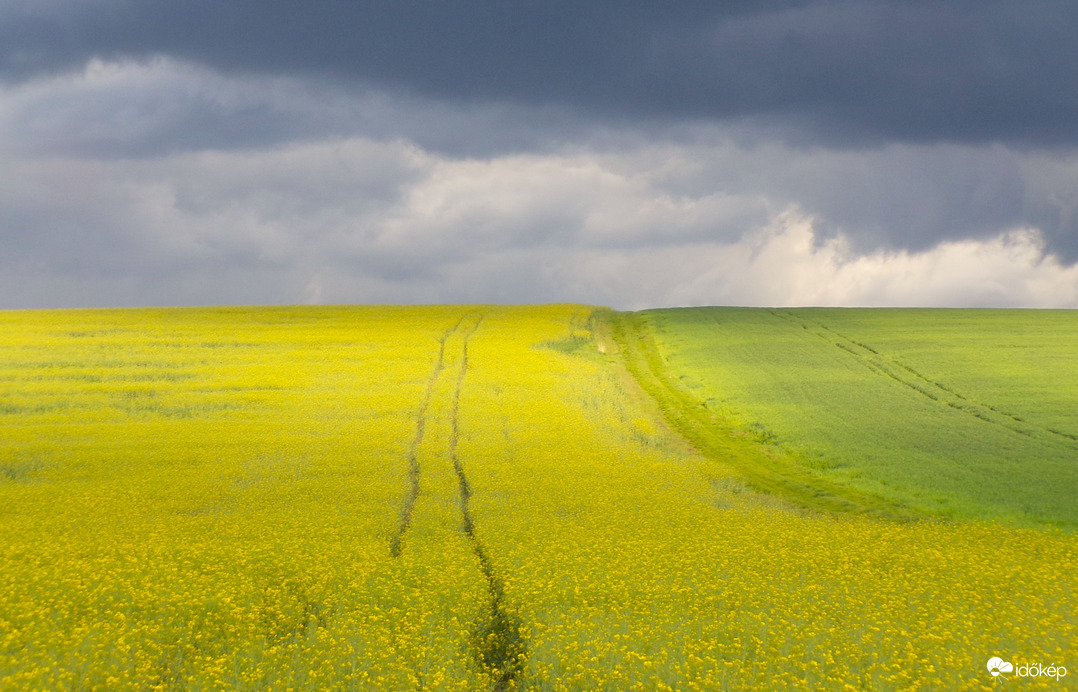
551,497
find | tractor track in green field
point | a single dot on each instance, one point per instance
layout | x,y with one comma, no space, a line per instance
722,441
893,368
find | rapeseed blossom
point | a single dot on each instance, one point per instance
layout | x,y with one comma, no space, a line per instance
206,499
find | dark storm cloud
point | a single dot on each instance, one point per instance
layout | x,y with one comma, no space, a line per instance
838,72
158,107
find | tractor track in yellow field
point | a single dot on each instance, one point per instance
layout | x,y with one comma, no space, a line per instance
414,470
497,643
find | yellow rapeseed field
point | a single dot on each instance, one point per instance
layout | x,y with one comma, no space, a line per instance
446,498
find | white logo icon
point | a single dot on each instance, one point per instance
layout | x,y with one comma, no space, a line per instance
997,665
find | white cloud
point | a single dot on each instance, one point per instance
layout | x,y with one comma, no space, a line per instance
784,265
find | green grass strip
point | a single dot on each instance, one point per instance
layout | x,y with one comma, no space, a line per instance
717,439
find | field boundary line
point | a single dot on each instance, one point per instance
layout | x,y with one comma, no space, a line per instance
892,367
724,442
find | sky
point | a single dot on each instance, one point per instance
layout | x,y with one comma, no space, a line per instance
631,154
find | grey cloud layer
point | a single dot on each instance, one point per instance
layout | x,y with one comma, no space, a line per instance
899,196
158,107
846,72
360,219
